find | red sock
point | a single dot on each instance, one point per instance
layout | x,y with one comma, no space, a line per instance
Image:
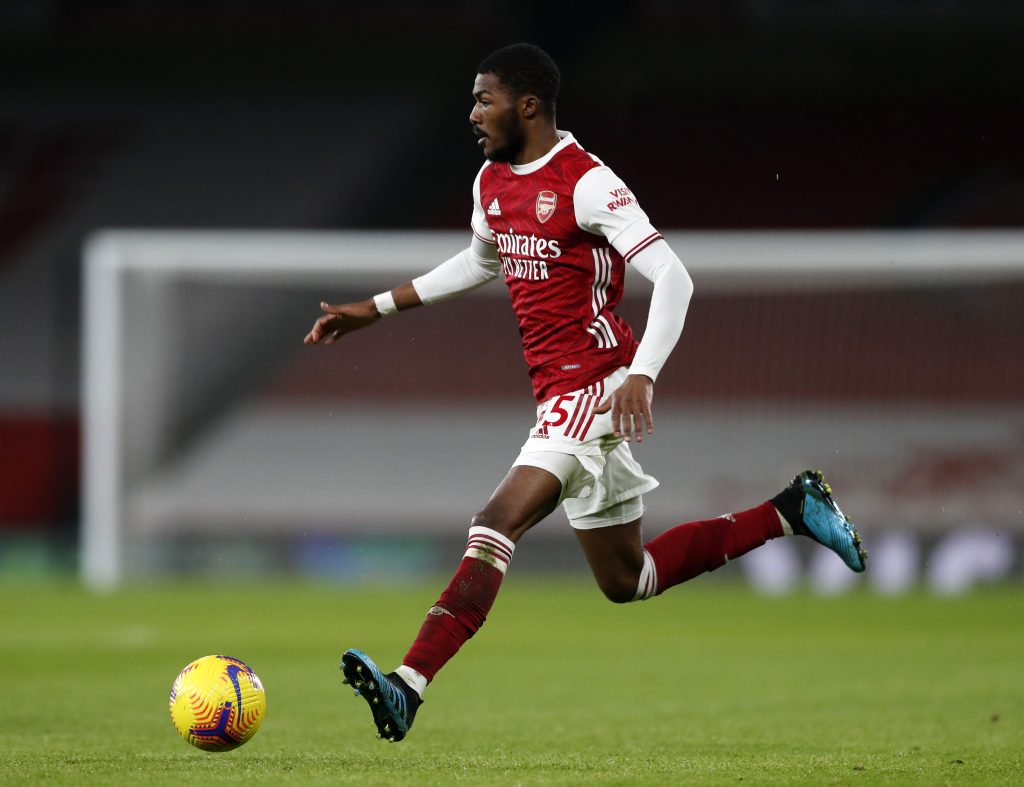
463,607
686,550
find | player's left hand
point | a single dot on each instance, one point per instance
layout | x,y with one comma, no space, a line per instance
630,404
339,320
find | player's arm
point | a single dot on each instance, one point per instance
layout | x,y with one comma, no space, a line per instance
605,206
467,270
339,319
670,299
463,273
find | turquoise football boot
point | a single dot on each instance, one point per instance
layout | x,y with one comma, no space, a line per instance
392,701
807,505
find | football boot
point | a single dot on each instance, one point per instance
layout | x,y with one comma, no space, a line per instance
809,508
392,701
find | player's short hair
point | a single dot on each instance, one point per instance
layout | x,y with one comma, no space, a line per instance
525,68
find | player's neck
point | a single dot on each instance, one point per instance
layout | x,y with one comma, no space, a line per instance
538,145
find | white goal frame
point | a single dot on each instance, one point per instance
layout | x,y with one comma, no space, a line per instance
715,259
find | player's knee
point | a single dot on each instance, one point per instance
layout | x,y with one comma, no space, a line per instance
493,520
618,589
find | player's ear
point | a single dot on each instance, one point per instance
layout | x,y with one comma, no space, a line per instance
529,106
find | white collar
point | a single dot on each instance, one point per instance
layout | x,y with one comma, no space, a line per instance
565,139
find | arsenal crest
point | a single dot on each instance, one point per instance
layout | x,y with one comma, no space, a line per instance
546,202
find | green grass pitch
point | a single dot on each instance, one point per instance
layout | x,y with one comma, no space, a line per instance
708,684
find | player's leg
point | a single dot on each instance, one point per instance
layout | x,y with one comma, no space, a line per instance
522,499
615,555
626,571
525,496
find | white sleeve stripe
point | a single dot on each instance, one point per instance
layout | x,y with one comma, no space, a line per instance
642,245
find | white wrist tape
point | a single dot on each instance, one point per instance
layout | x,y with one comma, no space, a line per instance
385,303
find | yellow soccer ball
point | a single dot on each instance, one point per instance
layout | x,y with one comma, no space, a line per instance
217,703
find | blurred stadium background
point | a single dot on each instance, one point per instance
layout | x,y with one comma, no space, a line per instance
241,451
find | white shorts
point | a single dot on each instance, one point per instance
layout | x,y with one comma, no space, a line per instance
602,484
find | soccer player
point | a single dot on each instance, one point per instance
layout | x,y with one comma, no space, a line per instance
560,227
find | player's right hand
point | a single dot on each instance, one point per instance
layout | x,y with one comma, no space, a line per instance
630,405
339,320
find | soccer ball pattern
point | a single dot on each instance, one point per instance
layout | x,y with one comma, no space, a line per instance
217,703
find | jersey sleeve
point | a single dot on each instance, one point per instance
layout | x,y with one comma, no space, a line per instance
467,270
673,289
478,222
605,206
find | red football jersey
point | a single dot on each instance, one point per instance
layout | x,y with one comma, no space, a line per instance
564,226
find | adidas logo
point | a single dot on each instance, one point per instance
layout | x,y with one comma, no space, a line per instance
493,209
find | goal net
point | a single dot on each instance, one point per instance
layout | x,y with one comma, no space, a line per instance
889,359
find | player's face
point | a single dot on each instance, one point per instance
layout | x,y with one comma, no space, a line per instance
495,119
